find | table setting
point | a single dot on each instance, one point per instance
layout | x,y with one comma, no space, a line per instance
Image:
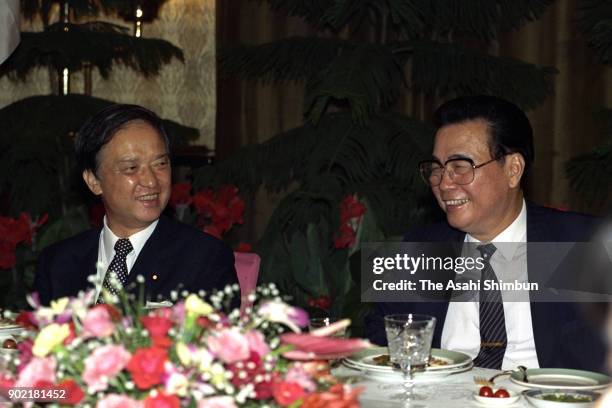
450,379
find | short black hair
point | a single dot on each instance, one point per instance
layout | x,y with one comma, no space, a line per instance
100,129
509,127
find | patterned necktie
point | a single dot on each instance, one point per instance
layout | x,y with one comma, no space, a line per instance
118,266
493,339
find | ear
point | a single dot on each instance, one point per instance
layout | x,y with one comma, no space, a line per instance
92,182
515,167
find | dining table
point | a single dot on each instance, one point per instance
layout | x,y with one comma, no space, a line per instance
455,390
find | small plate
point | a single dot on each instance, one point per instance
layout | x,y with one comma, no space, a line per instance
535,398
561,379
498,402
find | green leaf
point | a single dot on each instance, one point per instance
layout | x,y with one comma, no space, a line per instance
73,222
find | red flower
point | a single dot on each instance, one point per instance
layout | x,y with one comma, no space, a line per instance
223,209
158,327
350,208
72,334
244,247
286,393
181,194
322,302
26,319
74,393
162,400
25,353
244,372
346,237
202,201
147,366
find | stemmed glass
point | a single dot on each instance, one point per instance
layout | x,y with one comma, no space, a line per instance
409,339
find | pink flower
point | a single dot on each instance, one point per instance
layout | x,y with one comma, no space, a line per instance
103,365
229,345
298,375
98,323
118,401
257,343
217,402
38,369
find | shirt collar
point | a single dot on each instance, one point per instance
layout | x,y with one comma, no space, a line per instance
138,240
515,232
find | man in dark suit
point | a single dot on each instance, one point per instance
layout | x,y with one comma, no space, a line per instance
483,148
123,153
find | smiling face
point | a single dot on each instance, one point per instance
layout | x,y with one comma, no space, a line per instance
133,178
490,203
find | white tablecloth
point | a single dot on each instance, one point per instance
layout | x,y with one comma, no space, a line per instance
455,390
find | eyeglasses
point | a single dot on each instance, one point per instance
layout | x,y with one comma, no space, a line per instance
460,170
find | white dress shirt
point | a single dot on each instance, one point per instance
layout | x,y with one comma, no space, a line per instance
461,331
106,250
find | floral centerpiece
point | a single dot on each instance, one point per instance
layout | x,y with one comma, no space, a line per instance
192,354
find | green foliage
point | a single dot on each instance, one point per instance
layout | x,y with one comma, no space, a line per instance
596,22
100,44
87,8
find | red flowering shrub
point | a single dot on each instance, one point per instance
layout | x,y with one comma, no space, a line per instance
217,211
14,231
351,211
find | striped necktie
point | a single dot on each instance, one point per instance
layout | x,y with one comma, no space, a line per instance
493,339
118,266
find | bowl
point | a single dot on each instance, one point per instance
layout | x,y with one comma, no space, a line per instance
561,398
496,401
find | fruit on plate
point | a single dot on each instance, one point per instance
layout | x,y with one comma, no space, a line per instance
488,392
9,344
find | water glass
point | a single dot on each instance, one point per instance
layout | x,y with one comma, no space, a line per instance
409,339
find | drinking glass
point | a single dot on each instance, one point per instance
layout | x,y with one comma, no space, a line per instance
409,339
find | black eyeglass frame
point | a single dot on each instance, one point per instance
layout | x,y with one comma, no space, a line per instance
443,166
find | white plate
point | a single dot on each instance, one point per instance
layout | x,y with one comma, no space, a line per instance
364,361
561,379
498,402
534,397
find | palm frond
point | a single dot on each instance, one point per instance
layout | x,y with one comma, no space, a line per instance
445,69
596,22
312,11
31,9
100,44
483,18
289,59
367,78
405,16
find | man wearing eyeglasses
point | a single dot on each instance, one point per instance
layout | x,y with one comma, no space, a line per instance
483,149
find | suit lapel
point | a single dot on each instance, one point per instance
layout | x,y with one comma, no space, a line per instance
149,260
541,312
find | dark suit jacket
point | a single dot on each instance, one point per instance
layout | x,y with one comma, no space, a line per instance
176,256
563,337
